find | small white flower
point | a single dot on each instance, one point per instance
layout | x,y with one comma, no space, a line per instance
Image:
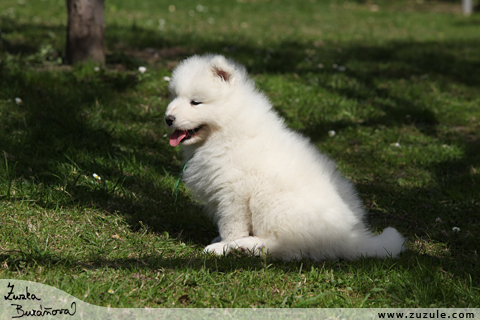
438,220
395,144
161,24
331,133
142,69
342,69
111,291
96,69
18,101
445,146
167,79
201,8
320,66
97,177
456,229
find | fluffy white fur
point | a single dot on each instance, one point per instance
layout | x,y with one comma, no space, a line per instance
266,187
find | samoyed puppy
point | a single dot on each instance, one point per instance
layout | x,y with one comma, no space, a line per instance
268,189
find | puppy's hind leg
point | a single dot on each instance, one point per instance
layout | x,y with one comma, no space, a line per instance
255,245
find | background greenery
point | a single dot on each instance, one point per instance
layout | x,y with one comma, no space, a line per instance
398,81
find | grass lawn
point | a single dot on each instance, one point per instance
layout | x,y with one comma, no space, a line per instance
398,82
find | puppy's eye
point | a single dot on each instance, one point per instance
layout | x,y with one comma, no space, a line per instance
195,103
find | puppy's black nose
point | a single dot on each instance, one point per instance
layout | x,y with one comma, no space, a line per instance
169,120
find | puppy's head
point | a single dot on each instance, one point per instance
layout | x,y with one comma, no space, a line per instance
201,88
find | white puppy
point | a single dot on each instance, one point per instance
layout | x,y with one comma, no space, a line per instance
266,187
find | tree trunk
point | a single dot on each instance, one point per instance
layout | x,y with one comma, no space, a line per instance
85,31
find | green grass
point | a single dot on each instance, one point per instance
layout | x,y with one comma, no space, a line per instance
377,73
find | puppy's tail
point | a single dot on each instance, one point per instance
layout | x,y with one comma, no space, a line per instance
388,244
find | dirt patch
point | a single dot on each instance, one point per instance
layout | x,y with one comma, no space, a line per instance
164,57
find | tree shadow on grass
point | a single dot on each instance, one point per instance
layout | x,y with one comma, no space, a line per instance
57,137
420,274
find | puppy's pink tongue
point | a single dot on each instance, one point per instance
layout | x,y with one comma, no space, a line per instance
177,137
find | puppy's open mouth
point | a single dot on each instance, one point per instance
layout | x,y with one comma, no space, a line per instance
178,136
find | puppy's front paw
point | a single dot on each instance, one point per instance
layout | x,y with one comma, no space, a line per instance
219,248
248,244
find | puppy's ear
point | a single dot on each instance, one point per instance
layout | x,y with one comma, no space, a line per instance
222,69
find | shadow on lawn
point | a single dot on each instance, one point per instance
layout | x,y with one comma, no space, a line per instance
421,275
60,124
53,119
